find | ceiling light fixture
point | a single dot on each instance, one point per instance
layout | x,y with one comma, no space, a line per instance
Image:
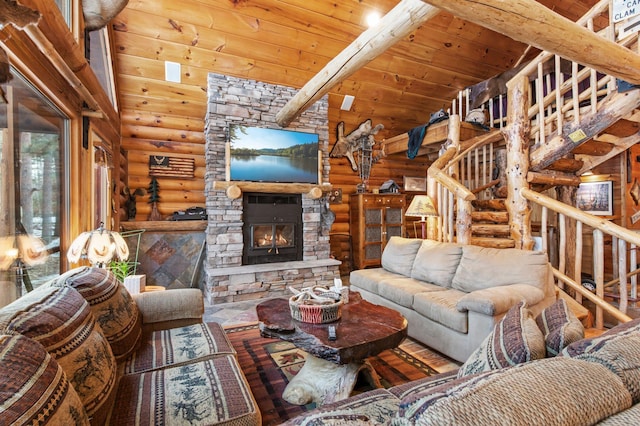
372,19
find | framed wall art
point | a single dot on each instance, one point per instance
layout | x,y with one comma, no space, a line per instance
595,198
415,184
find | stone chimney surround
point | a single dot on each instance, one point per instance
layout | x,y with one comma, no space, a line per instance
252,103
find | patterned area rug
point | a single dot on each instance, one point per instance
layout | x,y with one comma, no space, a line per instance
269,363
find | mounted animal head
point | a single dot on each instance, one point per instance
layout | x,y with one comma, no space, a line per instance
97,13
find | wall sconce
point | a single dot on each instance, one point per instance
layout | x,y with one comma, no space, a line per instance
421,206
99,246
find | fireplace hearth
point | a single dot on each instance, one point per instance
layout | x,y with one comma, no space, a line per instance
272,229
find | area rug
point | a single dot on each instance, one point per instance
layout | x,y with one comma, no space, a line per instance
268,365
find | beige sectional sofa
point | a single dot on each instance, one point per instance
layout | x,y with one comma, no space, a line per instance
81,350
452,295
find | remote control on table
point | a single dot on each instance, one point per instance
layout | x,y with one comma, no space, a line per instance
332,332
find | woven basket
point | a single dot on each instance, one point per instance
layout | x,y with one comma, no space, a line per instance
316,314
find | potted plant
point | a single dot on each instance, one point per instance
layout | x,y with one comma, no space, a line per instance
125,270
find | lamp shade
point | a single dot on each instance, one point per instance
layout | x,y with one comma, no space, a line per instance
99,246
421,206
29,249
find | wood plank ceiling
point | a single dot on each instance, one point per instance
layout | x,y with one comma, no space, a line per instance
287,42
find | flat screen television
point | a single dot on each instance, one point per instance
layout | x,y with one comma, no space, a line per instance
271,155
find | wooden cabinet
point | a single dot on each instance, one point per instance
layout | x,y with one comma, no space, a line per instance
374,218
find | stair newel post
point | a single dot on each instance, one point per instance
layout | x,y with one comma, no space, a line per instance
463,215
567,194
435,174
432,191
598,273
517,136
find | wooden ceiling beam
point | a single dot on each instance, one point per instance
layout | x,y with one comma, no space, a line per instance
532,23
407,16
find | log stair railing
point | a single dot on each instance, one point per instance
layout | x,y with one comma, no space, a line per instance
600,227
556,125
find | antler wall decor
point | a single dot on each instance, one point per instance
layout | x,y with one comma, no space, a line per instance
361,139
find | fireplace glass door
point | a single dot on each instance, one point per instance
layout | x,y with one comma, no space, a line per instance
272,237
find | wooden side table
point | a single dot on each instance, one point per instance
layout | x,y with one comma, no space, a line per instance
331,367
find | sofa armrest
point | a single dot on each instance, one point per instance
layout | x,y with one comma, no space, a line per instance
170,305
497,300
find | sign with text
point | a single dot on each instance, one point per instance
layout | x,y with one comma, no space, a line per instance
623,9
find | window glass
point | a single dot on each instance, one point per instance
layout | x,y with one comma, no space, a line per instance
32,182
100,61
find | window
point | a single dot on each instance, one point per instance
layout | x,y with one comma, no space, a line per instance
101,63
33,147
65,9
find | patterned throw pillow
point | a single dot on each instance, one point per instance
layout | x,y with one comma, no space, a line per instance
114,309
559,326
514,340
61,321
34,388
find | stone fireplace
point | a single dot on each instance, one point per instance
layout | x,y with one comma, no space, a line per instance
242,251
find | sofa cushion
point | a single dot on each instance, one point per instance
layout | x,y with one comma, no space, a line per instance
592,343
618,351
549,391
630,416
402,290
178,346
514,340
559,326
498,300
61,320
436,262
399,253
34,389
112,305
440,306
369,279
483,267
375,407
212,391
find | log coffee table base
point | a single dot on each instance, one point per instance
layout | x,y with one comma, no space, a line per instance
324,382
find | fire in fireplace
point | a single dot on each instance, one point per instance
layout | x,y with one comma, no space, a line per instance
272,228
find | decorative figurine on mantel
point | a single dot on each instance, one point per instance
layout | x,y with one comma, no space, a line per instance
130,202
154,197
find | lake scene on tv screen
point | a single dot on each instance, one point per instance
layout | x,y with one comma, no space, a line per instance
271,155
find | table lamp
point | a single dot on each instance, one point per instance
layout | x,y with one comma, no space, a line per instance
421,206
99,246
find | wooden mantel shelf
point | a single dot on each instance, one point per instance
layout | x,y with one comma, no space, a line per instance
165,225
235,188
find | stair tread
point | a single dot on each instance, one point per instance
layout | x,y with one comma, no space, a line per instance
493,242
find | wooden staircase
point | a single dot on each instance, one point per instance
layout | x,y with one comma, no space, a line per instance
490,224
559,128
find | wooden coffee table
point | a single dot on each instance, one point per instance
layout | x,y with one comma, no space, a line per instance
331,369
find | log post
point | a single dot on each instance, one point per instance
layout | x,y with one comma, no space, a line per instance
463,222
517,137
531,22
567,194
